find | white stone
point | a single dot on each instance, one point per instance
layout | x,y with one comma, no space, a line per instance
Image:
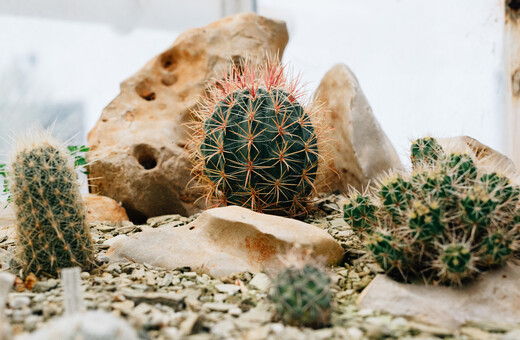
227,288
494,297
261,281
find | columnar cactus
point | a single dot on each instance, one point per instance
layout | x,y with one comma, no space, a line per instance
51,227
446,221
302,296
256,145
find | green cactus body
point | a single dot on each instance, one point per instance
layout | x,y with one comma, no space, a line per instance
426,220
457,262
258,146
462,167
360,213
496,249
302,297
269,153
478,207
425,151
500,188
446,221
387,250
396,194
50,214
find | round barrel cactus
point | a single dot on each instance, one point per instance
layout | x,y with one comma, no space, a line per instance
257,144
302,296
446,221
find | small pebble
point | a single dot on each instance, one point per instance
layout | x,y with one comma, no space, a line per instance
20,302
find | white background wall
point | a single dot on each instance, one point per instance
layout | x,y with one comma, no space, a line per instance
425,67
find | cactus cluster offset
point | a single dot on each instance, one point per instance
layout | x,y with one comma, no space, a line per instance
302,296
51,227
256,144
445,221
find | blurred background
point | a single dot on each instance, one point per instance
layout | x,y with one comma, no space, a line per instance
425,69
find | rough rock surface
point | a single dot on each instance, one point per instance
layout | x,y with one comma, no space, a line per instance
493,298
361,150
227,240
103,209
138,144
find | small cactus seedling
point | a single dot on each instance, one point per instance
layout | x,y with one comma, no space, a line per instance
51,227
446,221
302,296
255,143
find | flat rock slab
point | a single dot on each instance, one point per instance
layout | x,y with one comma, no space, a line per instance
227,240
494,297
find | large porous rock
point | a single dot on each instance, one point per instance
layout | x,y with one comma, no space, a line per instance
137,147
226,240
103,209
493,298
360,149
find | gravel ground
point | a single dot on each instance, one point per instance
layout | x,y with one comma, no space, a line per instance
180,304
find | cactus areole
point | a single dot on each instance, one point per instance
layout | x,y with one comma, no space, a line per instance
258,146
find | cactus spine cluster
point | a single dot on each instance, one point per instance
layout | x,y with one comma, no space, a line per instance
302,296
446,221
256,144
51,227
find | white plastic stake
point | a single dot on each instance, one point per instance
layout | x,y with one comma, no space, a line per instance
72,295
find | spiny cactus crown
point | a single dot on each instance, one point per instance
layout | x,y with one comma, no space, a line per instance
51,227
302,296
447,220
257,146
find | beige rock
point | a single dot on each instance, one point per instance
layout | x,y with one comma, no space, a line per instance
103,209
361,150
488,157
222,241
138,144
494,297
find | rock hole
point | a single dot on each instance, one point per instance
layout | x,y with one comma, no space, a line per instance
169,79
514,4
146,156
191,228
144,90
168,59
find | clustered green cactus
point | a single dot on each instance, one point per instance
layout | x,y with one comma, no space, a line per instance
302,296
446,221
51,226
258,147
